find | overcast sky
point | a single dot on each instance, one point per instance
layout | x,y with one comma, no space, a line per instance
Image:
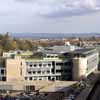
50,16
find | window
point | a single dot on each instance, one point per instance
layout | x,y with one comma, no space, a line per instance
68,63
48,71
44,65
29,72
30,65
2,71
49,65
25,78
52,56
34,72
35,78
30,78
48,56
39,72
21,63
68,71
58,71
53,63
40,65
3,78
43,72
40,79
35,65
53,71
59,64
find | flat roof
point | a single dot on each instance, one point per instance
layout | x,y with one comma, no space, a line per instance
84,51
59,49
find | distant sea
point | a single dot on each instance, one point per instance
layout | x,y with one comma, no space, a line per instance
53,35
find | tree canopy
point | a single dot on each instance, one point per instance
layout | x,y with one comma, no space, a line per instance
7,43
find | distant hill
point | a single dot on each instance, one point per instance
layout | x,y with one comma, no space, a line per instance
53,35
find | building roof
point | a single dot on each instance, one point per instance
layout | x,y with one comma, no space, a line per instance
84,51
60,49
80,52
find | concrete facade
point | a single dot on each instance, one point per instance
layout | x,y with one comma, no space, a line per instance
84,65
51,68
14,70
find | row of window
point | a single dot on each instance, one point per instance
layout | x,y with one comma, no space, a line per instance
39,65
49,65
43,78
64,71
38,72
92,60
52,56
48,72
36,78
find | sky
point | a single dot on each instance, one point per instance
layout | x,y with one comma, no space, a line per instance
52,16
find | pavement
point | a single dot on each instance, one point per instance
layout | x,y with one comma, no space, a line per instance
57,86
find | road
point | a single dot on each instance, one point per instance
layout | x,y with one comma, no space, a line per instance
95,93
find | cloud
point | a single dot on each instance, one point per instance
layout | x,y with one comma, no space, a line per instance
55,8
48,8
25,1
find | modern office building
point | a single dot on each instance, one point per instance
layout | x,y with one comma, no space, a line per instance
50,65
85,61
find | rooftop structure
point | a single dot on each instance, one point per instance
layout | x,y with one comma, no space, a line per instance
60,49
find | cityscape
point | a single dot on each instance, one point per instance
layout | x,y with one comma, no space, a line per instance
48,69
49,50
